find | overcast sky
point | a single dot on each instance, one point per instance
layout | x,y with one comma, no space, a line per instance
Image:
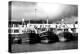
51,11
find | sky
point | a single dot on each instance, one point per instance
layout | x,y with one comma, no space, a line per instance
38,10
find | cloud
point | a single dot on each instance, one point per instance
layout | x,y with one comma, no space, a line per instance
26,10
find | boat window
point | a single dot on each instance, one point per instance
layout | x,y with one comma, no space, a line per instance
16,31
15,25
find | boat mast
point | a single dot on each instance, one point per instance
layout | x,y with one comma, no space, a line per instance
35,12
23,22
47,23
29,21
47,19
